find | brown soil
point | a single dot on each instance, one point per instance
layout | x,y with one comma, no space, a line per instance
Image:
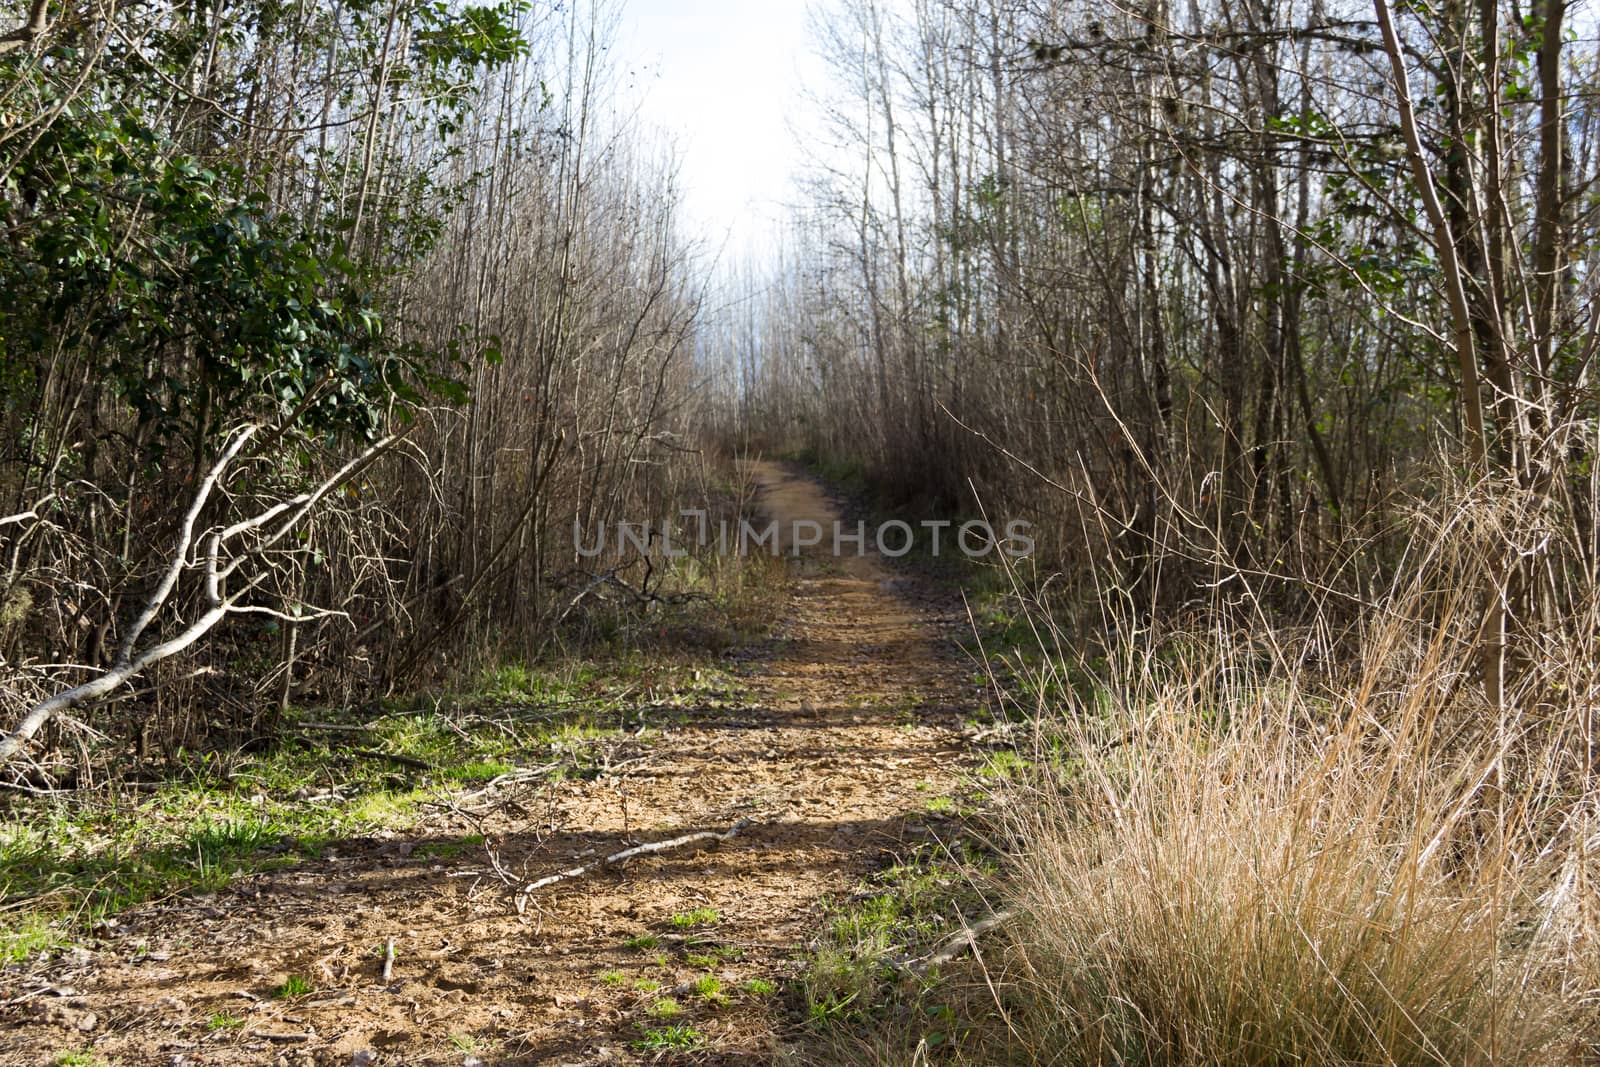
853,725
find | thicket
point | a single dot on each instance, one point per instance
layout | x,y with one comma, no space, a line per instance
322,324
1192,281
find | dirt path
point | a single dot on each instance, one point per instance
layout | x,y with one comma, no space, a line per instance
851,728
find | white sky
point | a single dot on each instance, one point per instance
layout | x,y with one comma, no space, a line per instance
722,79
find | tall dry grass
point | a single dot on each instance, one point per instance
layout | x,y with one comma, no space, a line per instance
1244,846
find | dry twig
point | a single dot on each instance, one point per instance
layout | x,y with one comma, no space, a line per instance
624,856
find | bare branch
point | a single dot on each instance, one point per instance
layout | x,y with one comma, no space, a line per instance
624,856
220,602
180,552
30,31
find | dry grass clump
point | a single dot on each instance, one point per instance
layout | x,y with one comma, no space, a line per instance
1233,859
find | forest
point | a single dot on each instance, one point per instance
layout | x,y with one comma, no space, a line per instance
380,683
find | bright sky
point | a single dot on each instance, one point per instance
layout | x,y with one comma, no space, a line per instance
722,79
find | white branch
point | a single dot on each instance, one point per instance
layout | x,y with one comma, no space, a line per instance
301,505
220,603
624,856
309,616
180,553
30,514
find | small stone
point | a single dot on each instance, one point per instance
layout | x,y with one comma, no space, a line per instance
364,1057
88,1021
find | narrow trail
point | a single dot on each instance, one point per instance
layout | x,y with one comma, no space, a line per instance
851,724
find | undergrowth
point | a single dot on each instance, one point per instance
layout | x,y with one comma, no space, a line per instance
863,976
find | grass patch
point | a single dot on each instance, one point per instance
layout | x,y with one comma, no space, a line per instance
1300,917
697,917
709,989
677,1038
293,986
848,986
1003,765
449,850
84,1058
665,1008
759,987
30,934
69,862
223,1021
480,771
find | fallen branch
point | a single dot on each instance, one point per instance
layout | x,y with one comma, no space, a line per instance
388,961
623,857
30,515
215,568
516,777
273,1035
393,757
955,946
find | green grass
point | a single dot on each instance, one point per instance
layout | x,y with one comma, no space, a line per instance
223,1021
612,978
677,1038
1003,765
646,985
835,977
480,771
28,934
642,943
85,1058
909,908
464,1042
709,989
696,917
665,1008
67,864
759,987
294,986
447,850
